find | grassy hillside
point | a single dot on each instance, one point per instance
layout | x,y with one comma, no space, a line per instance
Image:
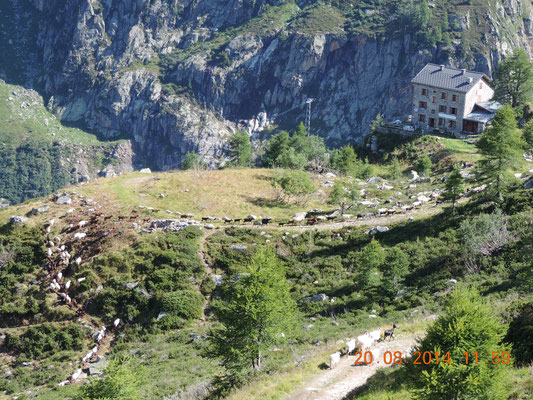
23,117
167,267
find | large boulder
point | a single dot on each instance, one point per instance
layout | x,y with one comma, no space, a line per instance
299,217
378,229
18,220
40,210
529,184
238,247
63,200
317,298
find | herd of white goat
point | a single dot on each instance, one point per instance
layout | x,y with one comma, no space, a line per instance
362,343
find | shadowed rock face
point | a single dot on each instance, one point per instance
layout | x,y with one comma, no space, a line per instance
105,64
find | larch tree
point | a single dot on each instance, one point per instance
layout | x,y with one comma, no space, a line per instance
256,307
467,325
454,187
500,146
514,80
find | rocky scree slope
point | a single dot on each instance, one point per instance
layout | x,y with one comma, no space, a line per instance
180,75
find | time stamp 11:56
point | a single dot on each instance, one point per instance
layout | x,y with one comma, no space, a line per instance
426,357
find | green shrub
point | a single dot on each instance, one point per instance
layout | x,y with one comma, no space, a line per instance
188,304
520,334
294,184
42,341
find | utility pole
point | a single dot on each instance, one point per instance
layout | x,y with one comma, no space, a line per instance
308,116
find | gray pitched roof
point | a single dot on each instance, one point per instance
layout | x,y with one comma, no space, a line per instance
448,78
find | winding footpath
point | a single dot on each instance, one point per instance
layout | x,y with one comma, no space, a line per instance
337,383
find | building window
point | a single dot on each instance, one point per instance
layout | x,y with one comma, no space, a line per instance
421,118
454,97
444,96
453,110
451,124
442,109
424,92
441,122
434,99
423,104
481,85
432,111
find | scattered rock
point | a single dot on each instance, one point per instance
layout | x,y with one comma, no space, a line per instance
401,293
131,285
161,315
145,171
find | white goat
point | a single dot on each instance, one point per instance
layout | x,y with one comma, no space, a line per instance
79,235
376,335
81,279
78,260
116,322
334,359
75,375
364,342
350,346
81,224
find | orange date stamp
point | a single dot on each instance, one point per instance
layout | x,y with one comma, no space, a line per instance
427,357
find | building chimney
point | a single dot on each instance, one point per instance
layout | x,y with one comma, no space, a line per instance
442,67
463,72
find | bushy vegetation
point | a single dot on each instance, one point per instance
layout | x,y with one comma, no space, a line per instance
295,152
21,254
294,185
46,339
161,268
119,382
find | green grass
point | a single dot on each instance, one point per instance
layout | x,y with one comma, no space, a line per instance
232,192
319,19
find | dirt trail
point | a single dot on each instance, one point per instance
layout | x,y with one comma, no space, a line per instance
204,259
337,383
370,222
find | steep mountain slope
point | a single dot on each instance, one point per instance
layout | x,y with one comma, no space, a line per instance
177,76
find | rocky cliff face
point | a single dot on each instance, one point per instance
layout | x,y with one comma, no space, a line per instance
180,75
